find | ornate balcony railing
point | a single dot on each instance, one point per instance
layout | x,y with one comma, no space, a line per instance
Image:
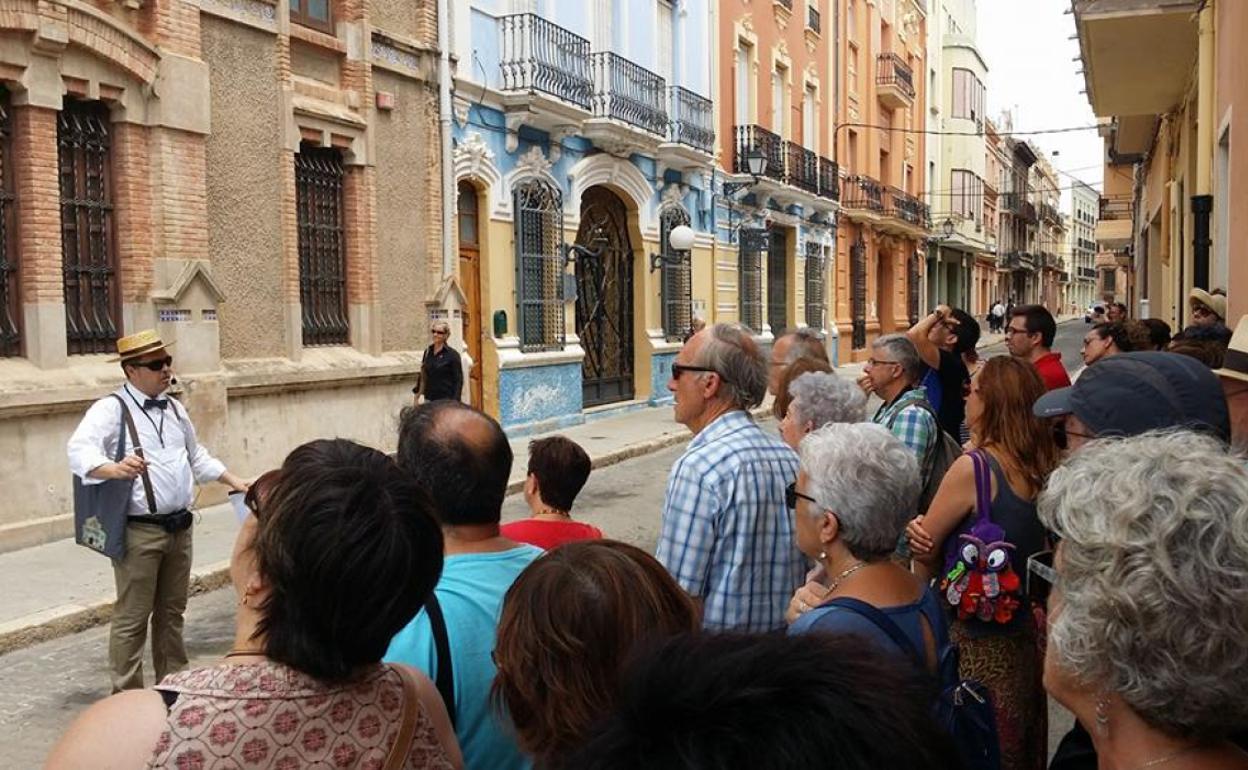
801,167
692,122
1087,273
540,56
901,205
1050,213
758,139
829,179
862,192
891,70
813,22
624,90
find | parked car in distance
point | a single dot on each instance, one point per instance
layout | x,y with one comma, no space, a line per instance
1095,314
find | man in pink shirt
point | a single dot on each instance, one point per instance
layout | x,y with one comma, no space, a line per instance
1029,336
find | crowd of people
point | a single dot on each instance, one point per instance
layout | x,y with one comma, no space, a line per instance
838,591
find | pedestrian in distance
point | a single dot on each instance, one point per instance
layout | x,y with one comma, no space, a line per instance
461,459
819,399
558,470
768,702
441,369
726,536
339,550
164,462
984,516
1029,336
1149,609
569,624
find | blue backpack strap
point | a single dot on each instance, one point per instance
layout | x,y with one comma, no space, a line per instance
880,621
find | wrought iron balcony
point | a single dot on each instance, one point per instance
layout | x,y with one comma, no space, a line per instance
1050,213
786,3
901,205
691,120
758,139
801,167
1086,273
829,179
862,193
624,90
894,81
813,22
541,56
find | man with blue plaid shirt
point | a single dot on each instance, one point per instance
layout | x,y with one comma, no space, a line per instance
727,536
892,373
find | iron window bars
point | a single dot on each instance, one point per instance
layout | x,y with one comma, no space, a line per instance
676,284
10,301
539,265
88,254
816,280
319,179
754,247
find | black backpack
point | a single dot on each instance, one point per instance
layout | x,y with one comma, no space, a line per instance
963,708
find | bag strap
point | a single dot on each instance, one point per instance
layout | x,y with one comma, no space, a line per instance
402,746
880,621
120,454
445,679
138,450
983,486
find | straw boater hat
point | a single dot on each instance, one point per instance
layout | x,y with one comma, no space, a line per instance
139,344
1215,302
1235,364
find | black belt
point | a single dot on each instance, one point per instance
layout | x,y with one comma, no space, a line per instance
172,523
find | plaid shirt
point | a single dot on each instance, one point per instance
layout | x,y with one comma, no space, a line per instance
914,425
727,536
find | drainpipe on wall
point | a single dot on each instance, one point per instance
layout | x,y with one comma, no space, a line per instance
1202,201
444,121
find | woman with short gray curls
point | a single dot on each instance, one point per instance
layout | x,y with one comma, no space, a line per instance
819,399
854,491
1149,615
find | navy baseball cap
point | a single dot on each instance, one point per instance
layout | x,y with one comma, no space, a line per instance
1132,393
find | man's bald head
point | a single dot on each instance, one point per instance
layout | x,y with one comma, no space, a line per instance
460,456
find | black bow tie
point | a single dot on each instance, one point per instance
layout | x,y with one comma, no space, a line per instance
158,403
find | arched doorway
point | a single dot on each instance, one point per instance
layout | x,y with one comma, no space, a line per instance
470,281
604,299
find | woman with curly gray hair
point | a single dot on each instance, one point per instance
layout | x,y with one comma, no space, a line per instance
820,399
1149,615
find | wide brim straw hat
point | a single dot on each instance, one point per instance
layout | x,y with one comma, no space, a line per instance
1215,302
1235,363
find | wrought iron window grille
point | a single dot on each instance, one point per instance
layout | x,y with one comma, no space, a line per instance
755,243
10,301
676,281
319,179
541,262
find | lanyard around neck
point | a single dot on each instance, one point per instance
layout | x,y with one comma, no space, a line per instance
160,429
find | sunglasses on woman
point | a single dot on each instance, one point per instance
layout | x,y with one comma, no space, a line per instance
259,490
1061,436
791,494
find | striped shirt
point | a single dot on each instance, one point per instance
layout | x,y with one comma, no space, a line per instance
727,537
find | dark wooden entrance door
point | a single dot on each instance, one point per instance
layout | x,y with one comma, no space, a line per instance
778,281
604,299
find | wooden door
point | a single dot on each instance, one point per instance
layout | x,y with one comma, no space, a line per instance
470,282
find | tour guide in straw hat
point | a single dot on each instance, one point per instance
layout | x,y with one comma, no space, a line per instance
153,576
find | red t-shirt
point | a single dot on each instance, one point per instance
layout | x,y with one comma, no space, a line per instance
548,534
1050,369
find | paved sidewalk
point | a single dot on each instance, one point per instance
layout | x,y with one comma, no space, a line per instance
60,588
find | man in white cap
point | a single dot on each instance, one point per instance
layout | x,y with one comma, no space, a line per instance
1234,377
153,577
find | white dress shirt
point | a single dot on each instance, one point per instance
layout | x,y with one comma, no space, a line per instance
175,460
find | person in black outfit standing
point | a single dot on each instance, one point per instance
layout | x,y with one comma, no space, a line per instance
441,372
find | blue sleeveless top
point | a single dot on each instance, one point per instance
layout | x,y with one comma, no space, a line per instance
839,620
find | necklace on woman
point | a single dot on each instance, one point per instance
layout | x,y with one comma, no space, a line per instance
1166,758
554,512
839,578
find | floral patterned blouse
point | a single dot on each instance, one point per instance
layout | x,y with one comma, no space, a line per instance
268,715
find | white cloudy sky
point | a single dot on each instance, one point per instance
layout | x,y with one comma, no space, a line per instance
1027,46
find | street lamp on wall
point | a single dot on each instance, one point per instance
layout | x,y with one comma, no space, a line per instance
679,239
756,165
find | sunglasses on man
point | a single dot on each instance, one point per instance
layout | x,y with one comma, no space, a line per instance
1061,435
154,365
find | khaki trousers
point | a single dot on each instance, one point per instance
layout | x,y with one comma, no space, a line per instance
152,582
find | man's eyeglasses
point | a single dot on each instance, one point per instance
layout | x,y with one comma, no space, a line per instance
155,365
260,489
791,494
879,362
1061,436
1010,331
679,369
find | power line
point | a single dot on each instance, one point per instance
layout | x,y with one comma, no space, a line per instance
929,132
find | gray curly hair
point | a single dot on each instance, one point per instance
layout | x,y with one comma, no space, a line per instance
1154,577
822,398
868,478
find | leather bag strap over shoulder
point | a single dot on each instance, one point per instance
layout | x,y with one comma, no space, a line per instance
138,450
402,746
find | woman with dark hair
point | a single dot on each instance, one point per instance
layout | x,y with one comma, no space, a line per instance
975,539
569,623
558,470
341,551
